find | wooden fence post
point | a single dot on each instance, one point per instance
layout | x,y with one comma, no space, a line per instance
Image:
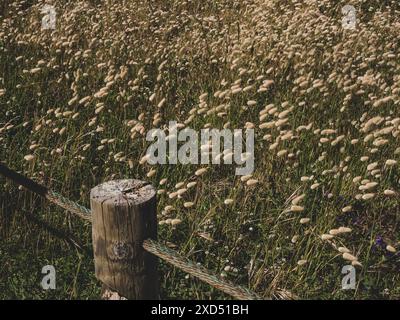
124,215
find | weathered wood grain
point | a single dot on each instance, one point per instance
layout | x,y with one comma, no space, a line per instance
124,214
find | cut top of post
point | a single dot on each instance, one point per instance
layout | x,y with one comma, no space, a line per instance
125,190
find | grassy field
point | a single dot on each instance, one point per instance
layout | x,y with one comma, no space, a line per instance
76,103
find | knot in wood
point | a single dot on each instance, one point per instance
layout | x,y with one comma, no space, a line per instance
122,250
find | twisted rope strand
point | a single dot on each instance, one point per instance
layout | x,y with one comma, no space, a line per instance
69,205
42,191
203,274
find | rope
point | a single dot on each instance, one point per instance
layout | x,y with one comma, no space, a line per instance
23,181
203,274
151,246
52,196
69,205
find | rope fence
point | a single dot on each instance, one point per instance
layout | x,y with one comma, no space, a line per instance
193,269
151,246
